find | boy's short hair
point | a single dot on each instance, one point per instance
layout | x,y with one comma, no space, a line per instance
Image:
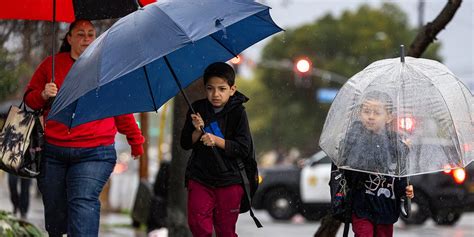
380,97
219,69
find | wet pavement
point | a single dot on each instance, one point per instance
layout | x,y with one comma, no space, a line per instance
112,224
119,224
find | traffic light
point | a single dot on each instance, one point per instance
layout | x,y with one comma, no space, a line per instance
303,68
236,62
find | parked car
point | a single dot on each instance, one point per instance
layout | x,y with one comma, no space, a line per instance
288,190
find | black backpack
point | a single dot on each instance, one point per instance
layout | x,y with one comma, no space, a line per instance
341,197
249,173
340,192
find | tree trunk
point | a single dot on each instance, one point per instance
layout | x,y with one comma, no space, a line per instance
177,195
144,159
428,33
329,226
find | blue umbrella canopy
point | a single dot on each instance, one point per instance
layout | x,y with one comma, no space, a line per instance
143,60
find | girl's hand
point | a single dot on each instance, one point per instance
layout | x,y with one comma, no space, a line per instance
198,123
407,142
409,191
208,139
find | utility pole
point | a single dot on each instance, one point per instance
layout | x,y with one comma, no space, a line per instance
421,13
143,167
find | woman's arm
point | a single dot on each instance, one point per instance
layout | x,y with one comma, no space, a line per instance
34,90
127,125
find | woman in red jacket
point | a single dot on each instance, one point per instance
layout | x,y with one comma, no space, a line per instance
77,161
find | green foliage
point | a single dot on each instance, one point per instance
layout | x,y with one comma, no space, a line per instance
285,115
9,73
12,227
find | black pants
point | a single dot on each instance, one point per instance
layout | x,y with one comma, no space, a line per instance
20,200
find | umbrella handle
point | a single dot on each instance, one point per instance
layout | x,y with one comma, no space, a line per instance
405,207
49,102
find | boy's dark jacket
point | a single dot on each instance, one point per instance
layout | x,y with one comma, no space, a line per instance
233,123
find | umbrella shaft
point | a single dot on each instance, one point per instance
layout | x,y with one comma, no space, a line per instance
53,40
179,84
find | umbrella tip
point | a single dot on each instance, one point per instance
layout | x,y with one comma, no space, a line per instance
402,53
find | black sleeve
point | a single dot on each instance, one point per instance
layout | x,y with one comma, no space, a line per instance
401,184
239,145
348,142
187,132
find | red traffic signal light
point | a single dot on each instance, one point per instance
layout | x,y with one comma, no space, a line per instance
303,66
236,60
408,123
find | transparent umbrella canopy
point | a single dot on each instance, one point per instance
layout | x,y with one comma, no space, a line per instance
401,119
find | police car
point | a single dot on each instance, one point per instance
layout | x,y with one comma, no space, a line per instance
288,190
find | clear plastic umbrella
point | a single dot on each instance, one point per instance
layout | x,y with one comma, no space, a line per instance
401,117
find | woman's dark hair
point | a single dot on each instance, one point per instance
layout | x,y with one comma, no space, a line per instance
65,46
219,69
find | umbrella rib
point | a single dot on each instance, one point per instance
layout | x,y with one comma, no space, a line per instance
225,47
451,116
149,88
403,86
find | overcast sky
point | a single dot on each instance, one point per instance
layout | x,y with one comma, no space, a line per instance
457,39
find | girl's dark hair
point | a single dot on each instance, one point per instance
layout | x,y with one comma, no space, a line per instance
219,69
382,97
65,46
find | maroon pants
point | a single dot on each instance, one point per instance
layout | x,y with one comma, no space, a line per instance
213,207
365,228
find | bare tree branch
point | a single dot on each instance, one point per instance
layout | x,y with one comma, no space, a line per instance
429,32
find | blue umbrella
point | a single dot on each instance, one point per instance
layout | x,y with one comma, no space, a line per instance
147,57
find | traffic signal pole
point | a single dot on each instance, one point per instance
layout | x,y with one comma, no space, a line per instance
289,65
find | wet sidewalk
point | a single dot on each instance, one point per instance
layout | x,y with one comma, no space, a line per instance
111,224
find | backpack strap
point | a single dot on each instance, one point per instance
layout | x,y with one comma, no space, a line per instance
246,182
244,177
22,106
348,215
346,229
